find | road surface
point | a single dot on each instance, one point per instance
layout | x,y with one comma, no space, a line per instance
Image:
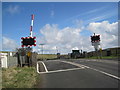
80,73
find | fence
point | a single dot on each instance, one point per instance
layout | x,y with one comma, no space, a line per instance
8,60
11,59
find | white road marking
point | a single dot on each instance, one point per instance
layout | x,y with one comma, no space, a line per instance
108,74
96,60
76,64
37,68
80,67
44,66
60,70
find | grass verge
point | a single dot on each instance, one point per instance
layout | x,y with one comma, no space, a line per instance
17,77
103,57
46,56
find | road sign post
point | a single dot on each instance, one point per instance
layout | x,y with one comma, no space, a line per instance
95,40
100,53
28,42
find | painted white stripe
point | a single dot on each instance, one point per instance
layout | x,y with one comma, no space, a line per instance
60,70
108,74
55,70
105,61
37,68
31,34
32,23
75,64
80,65
44,66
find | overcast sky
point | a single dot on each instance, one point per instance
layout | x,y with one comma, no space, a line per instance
61,26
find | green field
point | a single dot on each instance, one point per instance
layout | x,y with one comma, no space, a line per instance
46,56
103,57
15,77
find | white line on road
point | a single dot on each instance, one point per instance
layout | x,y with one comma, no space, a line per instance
108,74
60,70
76,64
81,67
97,60
44,66
37,68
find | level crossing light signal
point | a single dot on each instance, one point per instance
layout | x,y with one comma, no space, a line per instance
95,38
28,41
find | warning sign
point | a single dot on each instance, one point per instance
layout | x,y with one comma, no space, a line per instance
29,54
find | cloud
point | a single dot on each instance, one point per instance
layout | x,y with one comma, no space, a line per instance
101,17
70,38
89,14
94,15
108,32
9,44
12,9
64,39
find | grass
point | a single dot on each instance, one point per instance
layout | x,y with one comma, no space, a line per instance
46,56
15,77
103,57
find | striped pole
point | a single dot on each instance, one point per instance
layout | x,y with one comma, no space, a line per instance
31,27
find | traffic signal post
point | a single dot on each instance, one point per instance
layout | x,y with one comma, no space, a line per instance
95,40
28,42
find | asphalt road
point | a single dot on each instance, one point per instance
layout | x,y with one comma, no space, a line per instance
79,74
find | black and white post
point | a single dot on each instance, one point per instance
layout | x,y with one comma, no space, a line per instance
95,40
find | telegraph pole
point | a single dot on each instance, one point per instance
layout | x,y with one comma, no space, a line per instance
56,49
42,47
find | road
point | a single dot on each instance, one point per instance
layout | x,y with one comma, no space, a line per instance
80,73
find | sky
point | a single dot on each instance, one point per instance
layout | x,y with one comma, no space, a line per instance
60,26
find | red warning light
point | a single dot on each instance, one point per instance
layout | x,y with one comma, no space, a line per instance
22,45
22,38
34,37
